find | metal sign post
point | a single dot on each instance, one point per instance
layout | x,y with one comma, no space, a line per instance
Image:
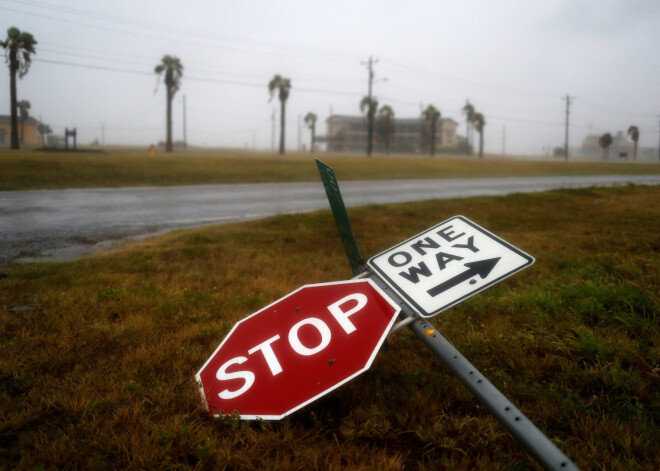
517,424
341,216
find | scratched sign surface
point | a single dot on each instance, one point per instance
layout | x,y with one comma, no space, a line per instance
447,263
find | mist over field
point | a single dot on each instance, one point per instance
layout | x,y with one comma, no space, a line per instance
517,62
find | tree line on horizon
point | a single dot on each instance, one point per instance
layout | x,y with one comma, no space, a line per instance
20,45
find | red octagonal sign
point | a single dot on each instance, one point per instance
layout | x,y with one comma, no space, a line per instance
299,348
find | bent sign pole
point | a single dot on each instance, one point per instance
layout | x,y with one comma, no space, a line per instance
514,421
431,290
341,216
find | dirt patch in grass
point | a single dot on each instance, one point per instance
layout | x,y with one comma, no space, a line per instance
99,372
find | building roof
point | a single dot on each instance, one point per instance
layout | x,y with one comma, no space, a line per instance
6,119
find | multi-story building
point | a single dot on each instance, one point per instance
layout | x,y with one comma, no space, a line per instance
620,149
28,133
349,134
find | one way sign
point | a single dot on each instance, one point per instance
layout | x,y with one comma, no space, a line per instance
448,263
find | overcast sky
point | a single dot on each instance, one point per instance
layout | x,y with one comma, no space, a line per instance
515,60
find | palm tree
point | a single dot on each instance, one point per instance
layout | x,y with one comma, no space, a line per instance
283,86
468,109
173,72
605,141
43,130
18,46
479,122
431,114
23,107
633,132
310,121
385,115
371,105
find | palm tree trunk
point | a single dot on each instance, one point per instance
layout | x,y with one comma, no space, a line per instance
313,136
282,116
481,144
370,130
635,151
168,144
432,137
13,66
440,133
387,136
467,137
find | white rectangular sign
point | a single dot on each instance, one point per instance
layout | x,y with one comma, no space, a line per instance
447,263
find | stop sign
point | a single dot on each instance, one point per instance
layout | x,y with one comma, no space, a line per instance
299,348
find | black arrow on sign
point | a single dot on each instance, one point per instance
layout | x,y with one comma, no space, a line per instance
481,268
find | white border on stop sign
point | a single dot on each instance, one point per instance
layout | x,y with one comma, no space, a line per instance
397,310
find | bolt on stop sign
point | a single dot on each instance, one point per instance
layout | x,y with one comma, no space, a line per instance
447,263
299,348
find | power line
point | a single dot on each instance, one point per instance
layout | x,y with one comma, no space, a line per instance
524,121
187,32
615,110
91,66
271,48
426,73
192,78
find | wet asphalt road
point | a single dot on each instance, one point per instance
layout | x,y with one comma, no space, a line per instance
65,224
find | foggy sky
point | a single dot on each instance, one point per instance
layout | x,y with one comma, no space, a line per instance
514,60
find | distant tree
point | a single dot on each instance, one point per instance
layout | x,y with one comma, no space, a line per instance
605,141
431,115
558,152
173,70
370,105
23,107
310,121
468,109
18,46
633,132
385,115
479,122
43,130
283,87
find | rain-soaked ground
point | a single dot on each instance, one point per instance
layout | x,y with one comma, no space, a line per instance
66,224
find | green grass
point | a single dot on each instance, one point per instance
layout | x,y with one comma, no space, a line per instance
29,169
99,372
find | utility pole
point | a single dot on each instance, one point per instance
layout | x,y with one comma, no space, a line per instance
370,114
272,133
503,140
299,128
185,134
568,107
659,142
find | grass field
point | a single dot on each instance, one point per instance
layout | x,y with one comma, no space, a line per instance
29,169
98,356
